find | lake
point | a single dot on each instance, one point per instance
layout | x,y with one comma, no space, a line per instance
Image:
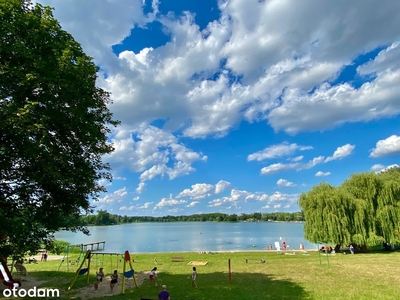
191,236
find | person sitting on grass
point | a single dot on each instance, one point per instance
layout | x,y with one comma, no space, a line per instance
153,276
164,295
99,279
114,280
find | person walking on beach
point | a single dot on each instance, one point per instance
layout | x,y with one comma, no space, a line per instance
153,276
164,295
99,278
194,275
114,280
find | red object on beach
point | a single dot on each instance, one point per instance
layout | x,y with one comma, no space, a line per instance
127,256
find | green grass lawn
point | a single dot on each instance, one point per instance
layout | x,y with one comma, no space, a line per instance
360,276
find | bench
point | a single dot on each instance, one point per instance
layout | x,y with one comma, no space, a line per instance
21,270
177,258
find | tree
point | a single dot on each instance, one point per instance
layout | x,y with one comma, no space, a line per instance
54,122
365,210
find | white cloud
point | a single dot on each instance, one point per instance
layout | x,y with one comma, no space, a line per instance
136,198
387,147
298,158
145,205
221,186
384,169
198,191
377,167
237,197
275,168
276,151
148,150
192,204
116,196
203,190
321,174
169,202
278,200
284,183
341,152
284,67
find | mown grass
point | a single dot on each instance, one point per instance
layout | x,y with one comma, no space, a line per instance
360,276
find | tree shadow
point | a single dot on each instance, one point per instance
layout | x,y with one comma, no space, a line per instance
216,285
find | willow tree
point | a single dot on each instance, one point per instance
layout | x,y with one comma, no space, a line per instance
54,122
365,210
326,211
377,199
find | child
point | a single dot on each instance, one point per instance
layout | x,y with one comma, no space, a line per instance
99,279
114,280
194,275
153,276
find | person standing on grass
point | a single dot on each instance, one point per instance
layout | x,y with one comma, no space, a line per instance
114,280
153,276
194,275
351,249
164,295
99,279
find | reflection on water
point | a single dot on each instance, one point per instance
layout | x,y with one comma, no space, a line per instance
191,236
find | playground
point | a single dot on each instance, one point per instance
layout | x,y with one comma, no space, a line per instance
296,276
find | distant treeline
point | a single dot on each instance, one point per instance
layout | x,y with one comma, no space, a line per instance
105,218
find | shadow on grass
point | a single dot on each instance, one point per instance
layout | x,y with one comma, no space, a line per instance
210,286
216,286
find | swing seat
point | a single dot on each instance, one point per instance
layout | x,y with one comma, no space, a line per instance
82,271
129,274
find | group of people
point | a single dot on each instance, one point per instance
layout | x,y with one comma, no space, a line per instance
100,276
163,295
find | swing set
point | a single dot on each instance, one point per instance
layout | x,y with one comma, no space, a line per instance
84,268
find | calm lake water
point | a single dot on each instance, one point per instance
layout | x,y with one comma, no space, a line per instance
191,236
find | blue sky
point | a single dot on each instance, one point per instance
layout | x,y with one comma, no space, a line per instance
240,106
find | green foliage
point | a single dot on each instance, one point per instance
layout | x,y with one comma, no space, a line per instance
57,247
53,128
104,218
365,210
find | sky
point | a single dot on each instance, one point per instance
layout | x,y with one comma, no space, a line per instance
240,106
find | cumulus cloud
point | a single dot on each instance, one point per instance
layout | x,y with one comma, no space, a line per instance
249,64
298,158
148,150
275,168
236,197
116,196
203,190
221,186
341,152
321,174
198,191
276,151
139,207
384,169
285,183
278,200
377,167
169,202
192,204
387,147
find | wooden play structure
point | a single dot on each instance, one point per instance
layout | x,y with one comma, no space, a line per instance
69,257
84,268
